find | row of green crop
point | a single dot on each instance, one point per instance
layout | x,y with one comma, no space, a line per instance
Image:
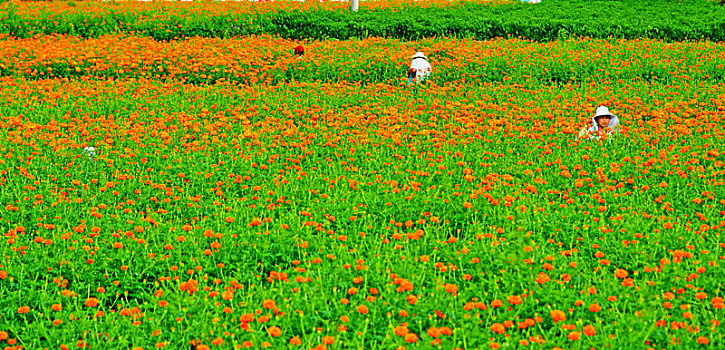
496,70
549,20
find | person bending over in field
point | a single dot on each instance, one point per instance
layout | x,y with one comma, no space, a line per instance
604,125
419,69
299,51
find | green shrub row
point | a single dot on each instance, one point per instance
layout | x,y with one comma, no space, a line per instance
495,70
549,20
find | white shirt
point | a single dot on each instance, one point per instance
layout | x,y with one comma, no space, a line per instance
421,66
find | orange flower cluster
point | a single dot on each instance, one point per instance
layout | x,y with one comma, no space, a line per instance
270,60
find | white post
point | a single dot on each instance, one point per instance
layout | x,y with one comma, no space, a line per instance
354,5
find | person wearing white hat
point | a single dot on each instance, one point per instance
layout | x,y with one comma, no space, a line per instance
419,68
604,125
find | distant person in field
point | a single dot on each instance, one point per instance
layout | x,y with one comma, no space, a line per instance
419,69
299,51
604,125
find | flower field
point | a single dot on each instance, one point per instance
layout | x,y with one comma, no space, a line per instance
218,193
269,60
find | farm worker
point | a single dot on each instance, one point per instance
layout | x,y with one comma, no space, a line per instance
419,68
604,124
299,51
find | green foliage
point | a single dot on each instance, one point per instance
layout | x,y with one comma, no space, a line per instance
549,20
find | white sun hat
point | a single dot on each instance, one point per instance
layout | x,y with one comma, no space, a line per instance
601,111
419,55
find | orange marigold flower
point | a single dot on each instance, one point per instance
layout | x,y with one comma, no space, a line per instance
269,304
411,338
328,340
574,336
255,222
23,309
434,332
191,286
589,330
91,302
621,273
594,307
274,331
718,302
362,309
498,328
558,315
